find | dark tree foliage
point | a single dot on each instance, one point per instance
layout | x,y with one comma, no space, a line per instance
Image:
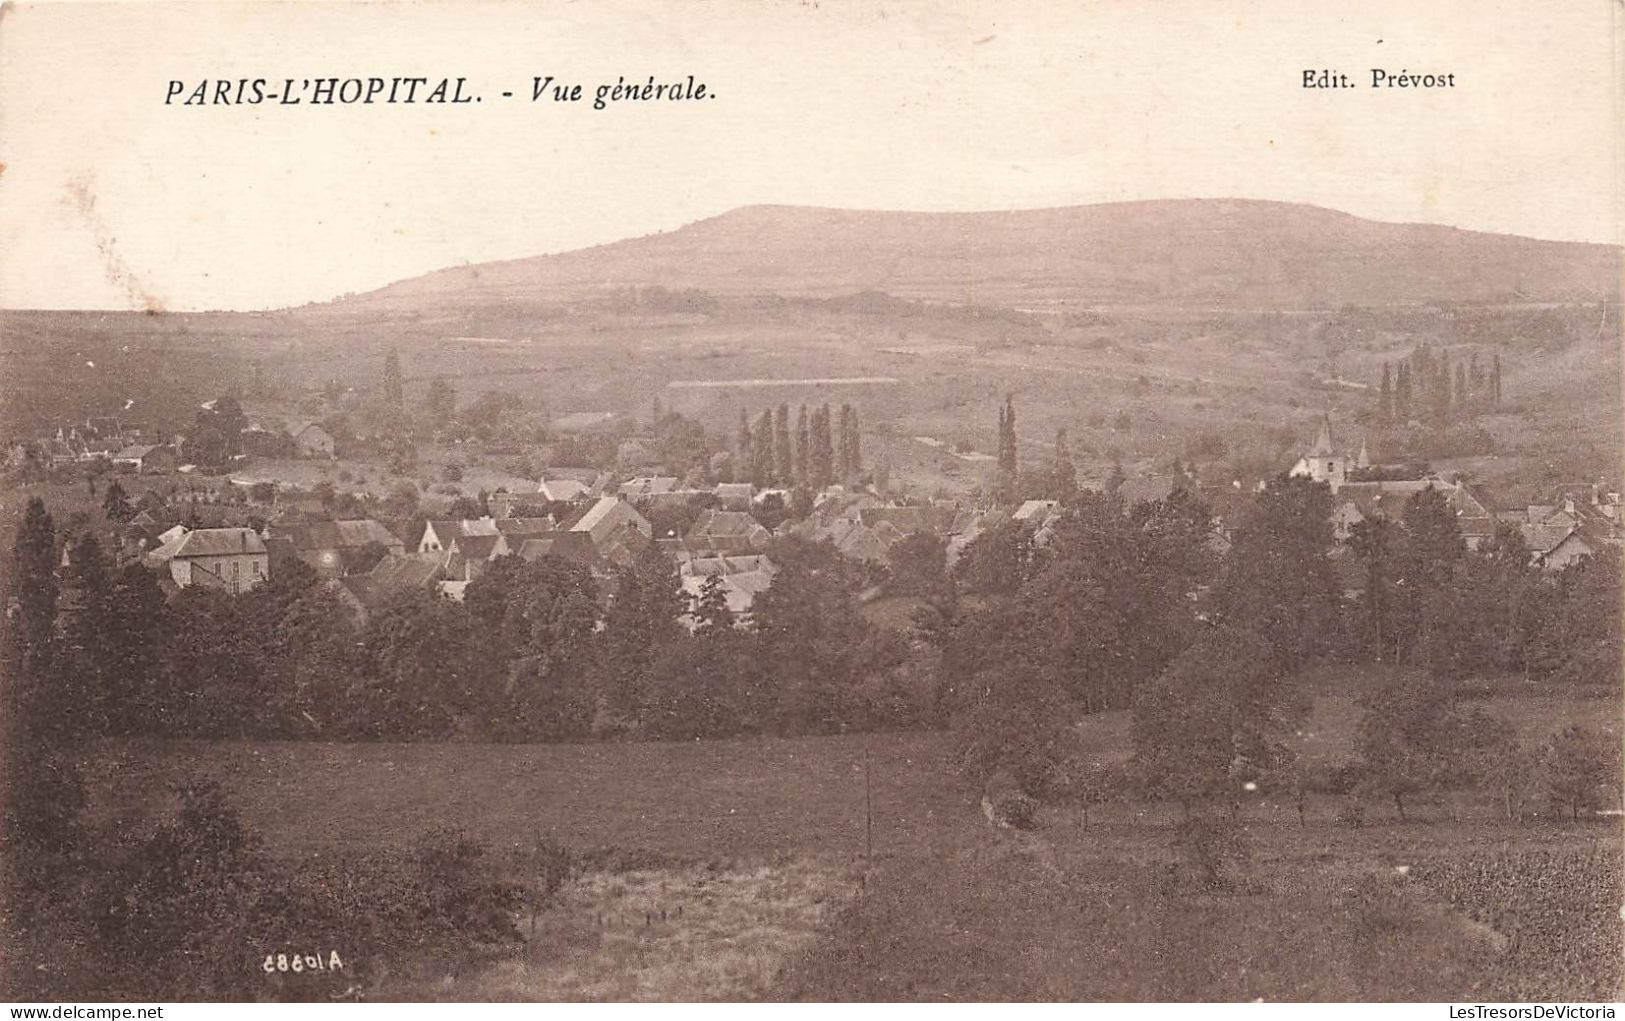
821,459
803,449
763,468
431,676
1214,719
1277,580
1579,770
43,792
640,625
810,632
116,503
783,456
997,561
1581,639
1416,738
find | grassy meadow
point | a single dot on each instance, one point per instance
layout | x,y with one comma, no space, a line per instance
737,870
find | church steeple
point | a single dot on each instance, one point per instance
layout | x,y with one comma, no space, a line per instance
1323,463
1323,442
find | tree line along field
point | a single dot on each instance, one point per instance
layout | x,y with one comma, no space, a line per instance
762,843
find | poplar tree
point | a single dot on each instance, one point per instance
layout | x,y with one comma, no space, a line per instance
803,448
855,454
393,387
1065,472
762,470
844,446
1385,402
783,469
823,454
743,460
1007,463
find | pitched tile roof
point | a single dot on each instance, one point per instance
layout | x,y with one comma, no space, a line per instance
211,542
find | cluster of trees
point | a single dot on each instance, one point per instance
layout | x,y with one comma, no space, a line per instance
534,652
1129,606
1431,602
817,452
1425,388
216,435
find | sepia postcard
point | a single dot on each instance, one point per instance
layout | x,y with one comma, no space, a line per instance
662,501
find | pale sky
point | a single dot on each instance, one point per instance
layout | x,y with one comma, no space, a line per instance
110,199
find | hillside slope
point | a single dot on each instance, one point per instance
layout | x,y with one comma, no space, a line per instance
1220,253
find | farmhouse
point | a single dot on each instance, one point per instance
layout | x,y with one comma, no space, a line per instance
231,559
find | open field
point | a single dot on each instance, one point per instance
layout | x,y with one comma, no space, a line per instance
713,800
736,869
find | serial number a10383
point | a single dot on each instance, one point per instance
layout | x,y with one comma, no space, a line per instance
302,962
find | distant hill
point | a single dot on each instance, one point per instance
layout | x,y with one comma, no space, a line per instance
1198,252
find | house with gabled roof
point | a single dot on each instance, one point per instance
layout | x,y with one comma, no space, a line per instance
608,516
573,546
365,594
467,555
438,534
562,490
233,560
735,528
145,457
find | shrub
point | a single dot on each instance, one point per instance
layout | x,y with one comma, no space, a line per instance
175,906
195,910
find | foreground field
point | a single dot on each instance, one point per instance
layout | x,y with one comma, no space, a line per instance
737,870
717,800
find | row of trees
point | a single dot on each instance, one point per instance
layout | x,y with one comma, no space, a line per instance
1424,387
818,452
534,652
